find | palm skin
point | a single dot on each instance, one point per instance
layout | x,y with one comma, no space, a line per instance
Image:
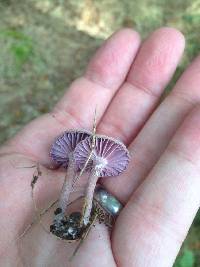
160,189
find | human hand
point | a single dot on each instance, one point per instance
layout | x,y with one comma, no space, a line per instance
160,189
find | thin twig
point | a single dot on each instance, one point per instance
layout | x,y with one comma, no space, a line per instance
84,237
33,182
92,150
23,167
87,161
43,212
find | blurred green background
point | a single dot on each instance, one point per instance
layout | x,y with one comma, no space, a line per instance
45,44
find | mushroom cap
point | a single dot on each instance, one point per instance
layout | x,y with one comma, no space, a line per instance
113,154
65,144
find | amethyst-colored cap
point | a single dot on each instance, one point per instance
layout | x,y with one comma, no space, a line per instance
111,153
65,144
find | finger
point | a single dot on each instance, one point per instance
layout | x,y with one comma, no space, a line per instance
152,69
157,132
154,223
106,72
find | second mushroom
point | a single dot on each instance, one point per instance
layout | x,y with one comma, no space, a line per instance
62,154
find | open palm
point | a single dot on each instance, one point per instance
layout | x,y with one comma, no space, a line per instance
160,189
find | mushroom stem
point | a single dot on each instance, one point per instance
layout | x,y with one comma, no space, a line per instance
89,194
67,187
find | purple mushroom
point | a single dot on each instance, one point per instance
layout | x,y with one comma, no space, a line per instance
109,157
62,154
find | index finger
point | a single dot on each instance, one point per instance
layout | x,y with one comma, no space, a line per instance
105,74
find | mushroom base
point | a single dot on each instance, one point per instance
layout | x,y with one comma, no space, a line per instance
70,228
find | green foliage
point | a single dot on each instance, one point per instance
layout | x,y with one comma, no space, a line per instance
19,48
186,259
197,219
192,18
